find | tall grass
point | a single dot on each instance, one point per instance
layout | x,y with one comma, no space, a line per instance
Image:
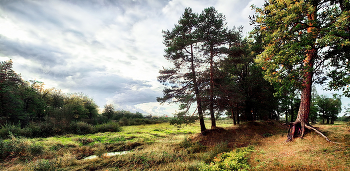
19,147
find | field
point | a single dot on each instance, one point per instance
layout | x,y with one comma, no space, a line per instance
249,146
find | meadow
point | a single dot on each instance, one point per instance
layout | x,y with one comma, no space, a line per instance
249,146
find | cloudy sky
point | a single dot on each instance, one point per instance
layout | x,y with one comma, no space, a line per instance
110,50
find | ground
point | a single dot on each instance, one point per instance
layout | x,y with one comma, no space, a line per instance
249,146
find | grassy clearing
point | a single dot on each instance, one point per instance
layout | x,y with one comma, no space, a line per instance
310,153
250,146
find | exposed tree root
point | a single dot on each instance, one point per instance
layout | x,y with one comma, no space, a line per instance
298,128
320,133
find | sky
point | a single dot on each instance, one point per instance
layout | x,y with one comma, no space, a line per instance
110,50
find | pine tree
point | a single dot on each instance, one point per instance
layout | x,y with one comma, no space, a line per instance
302,38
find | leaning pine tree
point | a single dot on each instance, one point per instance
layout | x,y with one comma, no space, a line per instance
305,41
181,80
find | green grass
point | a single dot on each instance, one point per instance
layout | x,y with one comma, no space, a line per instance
250,146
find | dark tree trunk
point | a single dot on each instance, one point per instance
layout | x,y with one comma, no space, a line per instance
198,97
237,114
233,116
211,105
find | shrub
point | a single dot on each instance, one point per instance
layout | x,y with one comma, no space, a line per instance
107,127
81,128
234,160
6,128
124,121
219,148
43,165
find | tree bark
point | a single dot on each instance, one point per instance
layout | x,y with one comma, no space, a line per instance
196,91
233,116
211,105
305,99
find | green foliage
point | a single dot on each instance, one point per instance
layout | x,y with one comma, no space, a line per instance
10,128
305,28
181,119
219,148
11,104
44,165
234,160
108,127
81,128
329,108
108,111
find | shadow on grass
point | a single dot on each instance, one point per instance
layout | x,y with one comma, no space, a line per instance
249,133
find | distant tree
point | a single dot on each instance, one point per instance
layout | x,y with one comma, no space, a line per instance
34,104
11,104
108,111
301,39
329,108
91,106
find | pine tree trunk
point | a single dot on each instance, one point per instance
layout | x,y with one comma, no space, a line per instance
196,91
211,105
237,114
305,99
233,116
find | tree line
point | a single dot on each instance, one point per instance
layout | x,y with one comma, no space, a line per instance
42,112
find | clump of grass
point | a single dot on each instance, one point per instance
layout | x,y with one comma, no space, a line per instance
219,148
84,140
192,147
44,165
19,147
234,160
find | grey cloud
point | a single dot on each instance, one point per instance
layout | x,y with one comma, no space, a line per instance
39,53
136,97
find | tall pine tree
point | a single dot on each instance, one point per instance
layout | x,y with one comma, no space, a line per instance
302,39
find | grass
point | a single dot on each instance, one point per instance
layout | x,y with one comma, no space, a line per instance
249,146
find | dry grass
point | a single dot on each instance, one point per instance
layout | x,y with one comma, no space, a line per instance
165,147
311,153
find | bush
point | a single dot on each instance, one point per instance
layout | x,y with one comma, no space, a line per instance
107,127
234,160
219,148
7,128
81,128
124,121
